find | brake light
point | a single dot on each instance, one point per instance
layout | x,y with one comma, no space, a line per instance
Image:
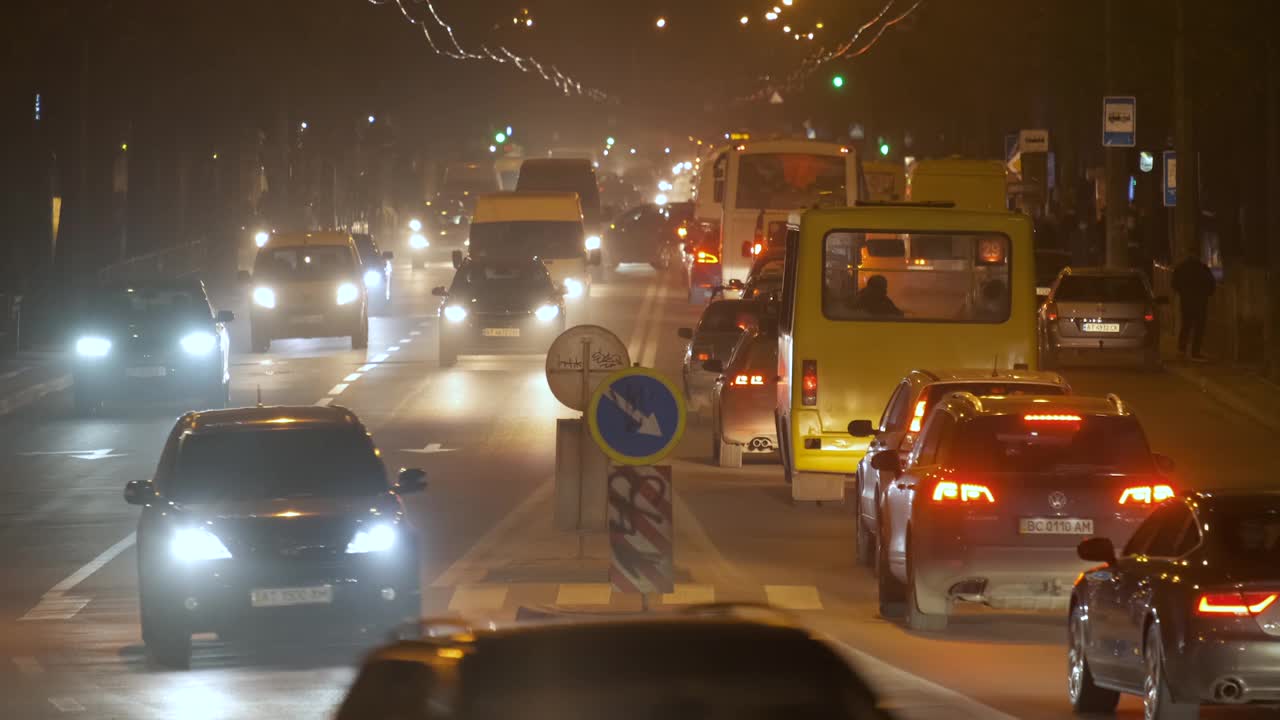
1051,311
705,258
683,232
1149,315
749,380
948,491
1239,604
809,383
703,357
1052,418
918,418
1146,494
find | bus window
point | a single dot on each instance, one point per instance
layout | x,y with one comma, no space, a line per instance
962,278
784,181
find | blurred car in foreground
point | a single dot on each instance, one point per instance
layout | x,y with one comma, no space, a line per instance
722,323
997,493
1188,613
377,272
153,341
744,398
499,305
1103,311
270,519
695,664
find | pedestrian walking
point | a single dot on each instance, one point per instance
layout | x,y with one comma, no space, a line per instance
1194,283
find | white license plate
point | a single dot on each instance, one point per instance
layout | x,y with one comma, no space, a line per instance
284,597
1100,327
500,332
153,371
1055,526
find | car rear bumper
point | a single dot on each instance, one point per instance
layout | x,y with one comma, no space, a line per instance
1206,666
1012,577
750,422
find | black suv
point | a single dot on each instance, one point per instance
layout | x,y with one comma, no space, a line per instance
499,305
271,518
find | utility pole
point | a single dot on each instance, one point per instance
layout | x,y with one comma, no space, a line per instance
1186,240
1117,252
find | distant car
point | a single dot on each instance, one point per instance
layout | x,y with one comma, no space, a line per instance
703,269
751,662
270,519
646,234
744,398
1096,310
903,416
308,285
997,493
158,340
722,323
499,305
764,280
377,272
1188,613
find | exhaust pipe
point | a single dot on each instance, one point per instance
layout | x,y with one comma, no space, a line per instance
969,590
1229,691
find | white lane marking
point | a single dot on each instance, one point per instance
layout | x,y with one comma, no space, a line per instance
367,368
338,389
485,545
66,704
98,454
57,604
793,597
881,671
351,378
689,594
380,358
324,402
584,594
429,449
638,335
415,333
404,340
393,348
14,373
478,598
28,665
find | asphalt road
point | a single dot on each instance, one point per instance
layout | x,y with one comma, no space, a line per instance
484,431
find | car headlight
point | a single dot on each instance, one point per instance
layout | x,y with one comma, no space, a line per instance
455,313
372,279
593,242
546,313
418,241
93,347
260,239
574,288
264,297
197,544
347,293
375,538
415,225
199,343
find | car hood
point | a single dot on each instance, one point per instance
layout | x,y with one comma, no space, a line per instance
291,524
514,303
287,508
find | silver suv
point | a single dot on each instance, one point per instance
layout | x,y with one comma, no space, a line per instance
1096,310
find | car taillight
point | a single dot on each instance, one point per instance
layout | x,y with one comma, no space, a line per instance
1145,494
917,419
703,356
1051,311
809,383
705,258
748,380
1238,604
1149,315
949,491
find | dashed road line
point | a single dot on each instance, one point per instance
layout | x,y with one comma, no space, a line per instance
324,402
56,604
380,357
339,389
66,704
367,368
393,348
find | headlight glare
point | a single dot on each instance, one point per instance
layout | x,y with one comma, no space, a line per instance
372,279
347,293
455,313
261,239
574,288
415,225
198,343
197,544
375,538
593,242
418,241
93,347
264,297
546,313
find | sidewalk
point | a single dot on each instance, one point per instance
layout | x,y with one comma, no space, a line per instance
1242,389
29,376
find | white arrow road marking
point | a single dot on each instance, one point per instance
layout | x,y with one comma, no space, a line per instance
648,423
98,454
429,449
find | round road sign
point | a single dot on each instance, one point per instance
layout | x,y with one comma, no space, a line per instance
579,359
636,416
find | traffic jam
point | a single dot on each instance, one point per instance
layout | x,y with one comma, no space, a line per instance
765,407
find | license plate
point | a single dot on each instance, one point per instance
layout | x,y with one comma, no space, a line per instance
153,371
284,597
1101,327
1055,526
500,332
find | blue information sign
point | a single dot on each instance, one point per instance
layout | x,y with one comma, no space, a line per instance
1169,178
636,416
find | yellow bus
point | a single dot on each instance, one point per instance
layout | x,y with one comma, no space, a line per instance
886,181
871,293
969,184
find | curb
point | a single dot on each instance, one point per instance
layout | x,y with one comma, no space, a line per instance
28,395
1228,398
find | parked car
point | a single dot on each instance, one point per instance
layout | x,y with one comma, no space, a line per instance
1102,311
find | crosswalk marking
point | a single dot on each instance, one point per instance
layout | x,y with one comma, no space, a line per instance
478,597
690,594
793,597
584,594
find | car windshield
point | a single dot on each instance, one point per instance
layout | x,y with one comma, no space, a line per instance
502,280
1062,442
780,181
1102,288
149,305
730,316
314,262
276,463
542,239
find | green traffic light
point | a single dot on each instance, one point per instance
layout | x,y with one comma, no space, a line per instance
609,141
884,148
500,138
837,81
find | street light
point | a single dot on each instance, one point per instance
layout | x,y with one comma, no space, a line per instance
744,20
661,23
372,119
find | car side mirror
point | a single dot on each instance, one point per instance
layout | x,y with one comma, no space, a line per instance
440,291
735,284
1097,549
686,333
713,366
225,316
457,259
411,480
887,461
388,255
243,277
861,428
1164,463
593,257
1161,299
138,492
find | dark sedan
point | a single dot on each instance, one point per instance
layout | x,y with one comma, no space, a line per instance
718,331
160,341
377,272
271,519
499,305
1187,613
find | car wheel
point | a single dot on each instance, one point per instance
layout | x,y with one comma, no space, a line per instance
360,340
168,642
917,620
259,342
864,540
892,594
1086,697
1157,700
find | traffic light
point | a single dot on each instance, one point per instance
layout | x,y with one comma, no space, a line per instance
884,146
837,81
499,137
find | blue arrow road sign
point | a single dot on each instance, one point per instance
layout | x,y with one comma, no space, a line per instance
636,416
